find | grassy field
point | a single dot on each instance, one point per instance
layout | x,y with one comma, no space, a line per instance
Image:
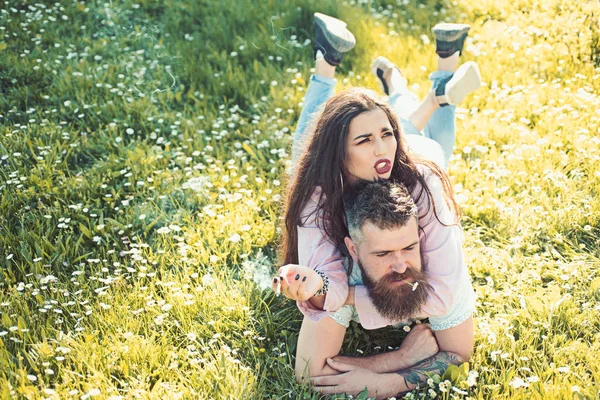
143,150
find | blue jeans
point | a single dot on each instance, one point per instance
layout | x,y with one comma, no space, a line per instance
435,142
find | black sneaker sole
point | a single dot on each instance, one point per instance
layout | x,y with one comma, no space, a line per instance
450,38
332,38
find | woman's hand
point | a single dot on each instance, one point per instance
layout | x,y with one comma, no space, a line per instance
297,282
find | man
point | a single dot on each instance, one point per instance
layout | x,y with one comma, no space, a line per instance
384,245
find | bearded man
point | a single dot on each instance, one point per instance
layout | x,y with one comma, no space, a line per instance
384,246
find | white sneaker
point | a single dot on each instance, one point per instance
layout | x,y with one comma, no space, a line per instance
452,91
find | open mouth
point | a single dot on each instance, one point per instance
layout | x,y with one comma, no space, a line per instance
383,166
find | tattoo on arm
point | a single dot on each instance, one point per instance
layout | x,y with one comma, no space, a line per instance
436,364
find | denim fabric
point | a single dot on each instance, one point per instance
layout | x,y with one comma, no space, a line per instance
435,142
320,89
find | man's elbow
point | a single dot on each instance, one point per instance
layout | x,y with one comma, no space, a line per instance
463,355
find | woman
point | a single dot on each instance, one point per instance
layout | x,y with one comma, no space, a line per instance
359,137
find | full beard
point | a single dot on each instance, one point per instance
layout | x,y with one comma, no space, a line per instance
398,303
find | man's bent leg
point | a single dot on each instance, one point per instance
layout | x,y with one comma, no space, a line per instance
317,342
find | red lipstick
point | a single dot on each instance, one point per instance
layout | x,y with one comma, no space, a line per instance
383,166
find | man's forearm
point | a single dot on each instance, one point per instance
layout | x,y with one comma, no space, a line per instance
408,379
390,361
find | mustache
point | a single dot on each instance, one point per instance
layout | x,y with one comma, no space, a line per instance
409,273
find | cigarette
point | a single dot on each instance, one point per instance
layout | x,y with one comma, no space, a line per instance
278,288
415,286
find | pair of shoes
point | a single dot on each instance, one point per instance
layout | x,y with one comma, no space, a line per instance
332,38
454,88
450,38
450,91
382,68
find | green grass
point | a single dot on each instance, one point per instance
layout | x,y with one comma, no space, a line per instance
143,150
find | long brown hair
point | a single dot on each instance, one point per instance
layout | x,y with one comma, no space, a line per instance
322,164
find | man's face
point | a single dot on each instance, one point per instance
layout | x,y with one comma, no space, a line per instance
390,262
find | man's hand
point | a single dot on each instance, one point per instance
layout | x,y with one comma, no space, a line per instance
297,282
352,380
418,345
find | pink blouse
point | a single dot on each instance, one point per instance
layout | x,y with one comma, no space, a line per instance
441,251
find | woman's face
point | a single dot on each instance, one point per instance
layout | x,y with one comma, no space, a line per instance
371,147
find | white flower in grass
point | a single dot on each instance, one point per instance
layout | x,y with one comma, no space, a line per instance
472,378
457,390
235,238
518,383
32,378
207,280
163,230
564,370
91,393
431,393
191,336
575,388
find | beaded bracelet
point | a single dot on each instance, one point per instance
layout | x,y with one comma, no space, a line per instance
325,287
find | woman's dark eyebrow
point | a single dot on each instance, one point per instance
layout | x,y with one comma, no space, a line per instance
366,135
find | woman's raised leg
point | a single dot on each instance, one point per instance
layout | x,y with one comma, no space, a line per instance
434,117
450,85
320,88
332,41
